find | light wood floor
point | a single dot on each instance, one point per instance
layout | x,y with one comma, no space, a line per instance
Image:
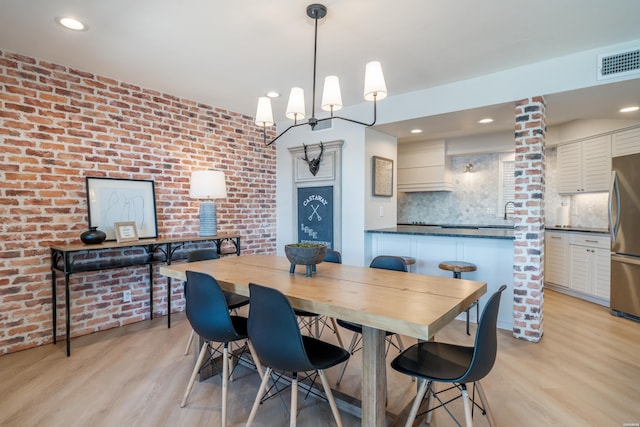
584,372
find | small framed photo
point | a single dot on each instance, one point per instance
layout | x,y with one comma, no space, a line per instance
382,177
126,231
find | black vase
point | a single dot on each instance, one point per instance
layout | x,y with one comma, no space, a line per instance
93,236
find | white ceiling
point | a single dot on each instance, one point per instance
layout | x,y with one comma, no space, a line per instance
228,53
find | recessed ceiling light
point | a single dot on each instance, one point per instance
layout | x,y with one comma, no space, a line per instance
272,94
485,121
71,23
416,130
629,109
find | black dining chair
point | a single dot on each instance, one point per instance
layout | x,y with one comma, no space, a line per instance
313,322
274,332
333,256
209,316
234,301
459,365
384,262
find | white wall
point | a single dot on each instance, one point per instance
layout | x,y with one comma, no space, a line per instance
360,209
380,212
353,182
499,142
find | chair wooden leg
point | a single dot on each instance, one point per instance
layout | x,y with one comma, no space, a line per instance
336,331
400,343
485,405
422,389
294,400
231,364
467,406
225,382
332,401
194,374
256,359
189,342
256,403
354,339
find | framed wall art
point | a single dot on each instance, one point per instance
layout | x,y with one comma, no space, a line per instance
114,200
382,177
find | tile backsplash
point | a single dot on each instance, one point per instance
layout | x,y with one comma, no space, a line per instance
474,199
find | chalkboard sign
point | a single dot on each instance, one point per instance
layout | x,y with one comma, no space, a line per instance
315,215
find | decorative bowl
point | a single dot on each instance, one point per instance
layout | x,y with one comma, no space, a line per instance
308,254
93,236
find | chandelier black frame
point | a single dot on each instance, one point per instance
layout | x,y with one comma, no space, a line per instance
375,89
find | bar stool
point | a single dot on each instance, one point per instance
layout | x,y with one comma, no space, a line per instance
459,267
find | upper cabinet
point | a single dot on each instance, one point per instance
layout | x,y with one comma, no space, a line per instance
585,166
424,166
625,143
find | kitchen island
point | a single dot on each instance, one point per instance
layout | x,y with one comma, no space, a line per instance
489,247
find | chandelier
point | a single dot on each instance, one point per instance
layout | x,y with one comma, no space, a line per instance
375,89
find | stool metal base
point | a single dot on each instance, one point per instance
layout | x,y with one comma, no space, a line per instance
458,267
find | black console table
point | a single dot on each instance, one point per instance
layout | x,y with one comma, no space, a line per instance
77,258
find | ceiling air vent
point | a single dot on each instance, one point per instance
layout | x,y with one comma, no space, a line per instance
323,125
618,64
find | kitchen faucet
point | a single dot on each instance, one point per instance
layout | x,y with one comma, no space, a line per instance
505,208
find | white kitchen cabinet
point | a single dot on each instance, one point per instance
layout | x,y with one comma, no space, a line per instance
556,247
590,264
624,143
570,168
424,166
585,166
602,277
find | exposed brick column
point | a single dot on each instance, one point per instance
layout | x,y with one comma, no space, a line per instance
528,265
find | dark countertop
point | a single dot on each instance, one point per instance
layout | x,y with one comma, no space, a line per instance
488,231
476,231
579,229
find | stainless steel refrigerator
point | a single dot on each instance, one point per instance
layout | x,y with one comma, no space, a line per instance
624,222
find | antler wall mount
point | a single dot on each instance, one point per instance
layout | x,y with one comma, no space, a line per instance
314,164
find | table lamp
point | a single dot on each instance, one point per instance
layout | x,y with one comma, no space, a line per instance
208,185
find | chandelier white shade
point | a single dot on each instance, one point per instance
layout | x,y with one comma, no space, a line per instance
208,185
331,96
375,89
374,85
264,114
295,106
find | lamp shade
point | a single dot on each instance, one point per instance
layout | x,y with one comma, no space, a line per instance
331,96
374,82
208,185
264,114
295,106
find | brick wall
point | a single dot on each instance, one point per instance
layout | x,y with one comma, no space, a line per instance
529,219
59,125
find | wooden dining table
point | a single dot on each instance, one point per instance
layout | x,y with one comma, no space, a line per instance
410,304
